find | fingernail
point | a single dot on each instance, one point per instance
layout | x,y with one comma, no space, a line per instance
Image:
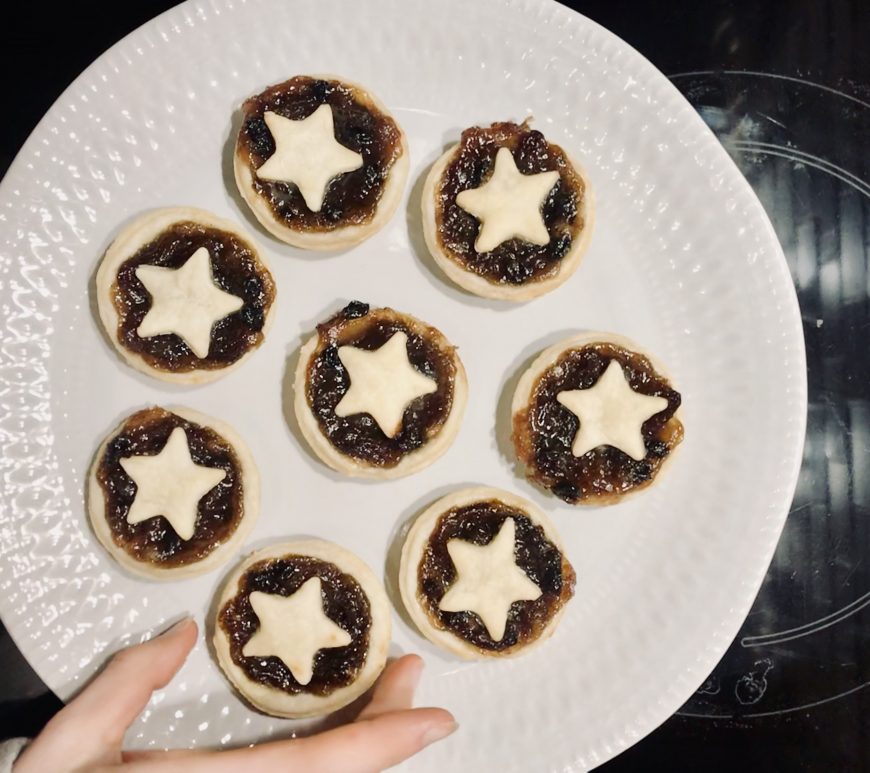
437,732
176,627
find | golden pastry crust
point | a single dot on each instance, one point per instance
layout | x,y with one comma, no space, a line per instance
136,235
479,285
276,702
412,462
339,238
96,507
415,547
523,395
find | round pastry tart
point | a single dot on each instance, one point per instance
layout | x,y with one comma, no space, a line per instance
595,419
172,493
507,214
302,628
320,162
379,393
184,295
484,574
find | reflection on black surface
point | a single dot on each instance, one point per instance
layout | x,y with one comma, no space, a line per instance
804,641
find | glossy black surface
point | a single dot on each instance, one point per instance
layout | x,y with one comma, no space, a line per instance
791,694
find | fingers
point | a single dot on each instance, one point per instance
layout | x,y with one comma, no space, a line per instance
386,733
117,696
395,689
89,730
367,746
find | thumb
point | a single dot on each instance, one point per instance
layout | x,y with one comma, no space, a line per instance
89,730
366,746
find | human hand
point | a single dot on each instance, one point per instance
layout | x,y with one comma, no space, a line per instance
87,734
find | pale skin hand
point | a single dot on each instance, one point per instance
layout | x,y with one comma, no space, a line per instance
87,734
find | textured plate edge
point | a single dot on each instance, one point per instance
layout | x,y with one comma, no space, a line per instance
55,109
728,630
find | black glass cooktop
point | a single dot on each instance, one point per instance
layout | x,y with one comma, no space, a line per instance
785,85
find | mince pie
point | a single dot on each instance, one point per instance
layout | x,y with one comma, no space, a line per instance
484,574
320,162
172,493
302,628
595,419
379,393
507,214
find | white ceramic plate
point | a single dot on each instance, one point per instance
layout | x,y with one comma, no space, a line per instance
683,260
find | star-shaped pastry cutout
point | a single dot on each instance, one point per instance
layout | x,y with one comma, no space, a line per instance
611,413
294,629
170,484
508,205
383,383
488,580
307,154
185,301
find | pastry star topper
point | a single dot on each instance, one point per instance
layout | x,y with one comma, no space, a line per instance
488,580
170,484
508,205
383,383
307,154
185,301
294,629
611,413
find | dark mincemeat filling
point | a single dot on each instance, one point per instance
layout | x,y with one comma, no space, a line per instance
359,435
351,198
235,269
544,434
154,541
515,261
539,558
344,602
